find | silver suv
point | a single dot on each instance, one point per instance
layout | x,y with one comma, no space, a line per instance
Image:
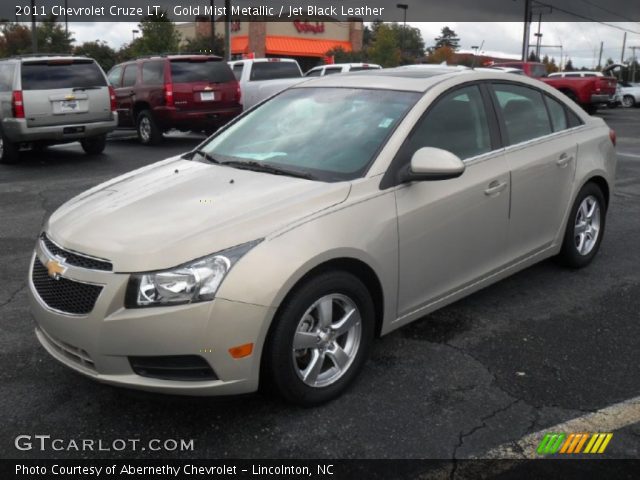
50,99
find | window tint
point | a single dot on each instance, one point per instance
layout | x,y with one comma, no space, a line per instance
574,120
572,75
54,74
153,73
188,71
273,70
331,71
6,77
359,69
237,70
114,76
129,77
557,113
457,123
524,112
313,73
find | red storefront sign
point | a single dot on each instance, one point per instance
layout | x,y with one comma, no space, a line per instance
308,27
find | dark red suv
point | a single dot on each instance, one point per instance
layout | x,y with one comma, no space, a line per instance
186,92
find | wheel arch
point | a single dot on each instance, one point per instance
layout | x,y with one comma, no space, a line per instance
602,184
138,107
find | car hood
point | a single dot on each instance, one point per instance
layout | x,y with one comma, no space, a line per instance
177,210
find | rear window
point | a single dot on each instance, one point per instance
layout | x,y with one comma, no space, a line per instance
274,70
538,71
49,75
6,77
187,71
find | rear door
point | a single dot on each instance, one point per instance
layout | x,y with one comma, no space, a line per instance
125,95
64,91
203,84
541,152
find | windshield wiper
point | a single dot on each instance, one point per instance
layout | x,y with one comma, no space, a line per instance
267,168
206,155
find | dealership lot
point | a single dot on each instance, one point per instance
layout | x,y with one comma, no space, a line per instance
534,351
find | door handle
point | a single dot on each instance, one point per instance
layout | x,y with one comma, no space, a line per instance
495,188
564,160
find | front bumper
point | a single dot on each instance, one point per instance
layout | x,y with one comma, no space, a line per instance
17,130
100,343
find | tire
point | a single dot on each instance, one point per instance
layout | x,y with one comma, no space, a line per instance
289,370
9,151
628,101
94,145
589,212
591,109
148,131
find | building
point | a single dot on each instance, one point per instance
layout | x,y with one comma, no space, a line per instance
306,41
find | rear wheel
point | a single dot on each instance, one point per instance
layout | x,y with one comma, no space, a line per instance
94,145
9,151
585,228
590,109
628,101
320,339
148,131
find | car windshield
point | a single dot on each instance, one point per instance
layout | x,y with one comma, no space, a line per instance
330,134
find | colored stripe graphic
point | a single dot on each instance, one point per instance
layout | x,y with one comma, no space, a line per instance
572,444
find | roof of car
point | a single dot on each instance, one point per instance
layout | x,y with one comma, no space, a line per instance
48,57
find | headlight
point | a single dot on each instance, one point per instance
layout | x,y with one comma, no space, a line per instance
196,281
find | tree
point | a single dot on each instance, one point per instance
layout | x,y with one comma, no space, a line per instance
341,56
385,50
447,38
99,51
15,38
159,35
533,57
568,67
203,44
411,41
442,54
551,66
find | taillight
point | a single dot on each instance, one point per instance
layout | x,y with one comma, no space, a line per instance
613,137
112,98
168,95
17,105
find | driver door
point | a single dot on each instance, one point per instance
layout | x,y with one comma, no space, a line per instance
452,232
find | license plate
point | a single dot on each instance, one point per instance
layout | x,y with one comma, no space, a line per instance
207,96
68,106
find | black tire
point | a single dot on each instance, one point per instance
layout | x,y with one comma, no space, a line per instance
628,101
590,109
280,369
9,151
148,131
94,145
570,255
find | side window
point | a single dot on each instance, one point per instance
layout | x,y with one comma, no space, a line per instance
332,70
524,112
153,73
129,77
6,77
557,113
574,120
237,70
456,123
313,73
114,76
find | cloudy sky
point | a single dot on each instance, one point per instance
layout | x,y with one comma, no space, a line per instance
580,41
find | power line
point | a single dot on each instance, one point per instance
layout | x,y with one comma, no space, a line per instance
589,19
607,10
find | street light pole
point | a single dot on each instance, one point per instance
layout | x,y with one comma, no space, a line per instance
34,33
66,20
227,29
133,34
525,38
403,6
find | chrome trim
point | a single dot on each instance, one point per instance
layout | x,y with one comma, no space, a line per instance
41,240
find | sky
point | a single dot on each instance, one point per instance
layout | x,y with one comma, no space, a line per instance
580,40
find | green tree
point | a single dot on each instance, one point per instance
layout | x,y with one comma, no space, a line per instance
341,56
203,44
385,50
441,54
533,57
15,39
568,67
52,37
447,38
411,41
159,35
99,51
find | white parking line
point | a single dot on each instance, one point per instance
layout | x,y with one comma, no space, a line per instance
608,419
632,155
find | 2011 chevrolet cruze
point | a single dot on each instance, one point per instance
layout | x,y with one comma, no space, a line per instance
338,210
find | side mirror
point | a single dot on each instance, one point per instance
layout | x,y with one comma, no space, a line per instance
432,164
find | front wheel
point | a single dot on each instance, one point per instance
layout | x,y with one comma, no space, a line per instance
9,151
585,228
628,101
148,131
320,339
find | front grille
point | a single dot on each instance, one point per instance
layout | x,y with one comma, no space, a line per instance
76,259
76,354
176,367
64,295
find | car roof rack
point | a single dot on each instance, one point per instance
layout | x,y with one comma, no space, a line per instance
176,54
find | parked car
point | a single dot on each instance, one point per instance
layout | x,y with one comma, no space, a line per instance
52,99
530,69
340,209
630,94
186,92
332,69
262,77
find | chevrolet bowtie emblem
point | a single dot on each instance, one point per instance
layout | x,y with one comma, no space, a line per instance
55,269
70,97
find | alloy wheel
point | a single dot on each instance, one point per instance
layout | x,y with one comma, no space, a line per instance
145,129
587,225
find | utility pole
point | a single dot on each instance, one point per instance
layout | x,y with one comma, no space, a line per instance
624,45
634,60
227,29
525,38
213,24
34,33
539,36
600,56
66,20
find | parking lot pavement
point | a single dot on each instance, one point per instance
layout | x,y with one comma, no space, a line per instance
533,351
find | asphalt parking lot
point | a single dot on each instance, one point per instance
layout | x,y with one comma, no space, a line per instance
531,352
